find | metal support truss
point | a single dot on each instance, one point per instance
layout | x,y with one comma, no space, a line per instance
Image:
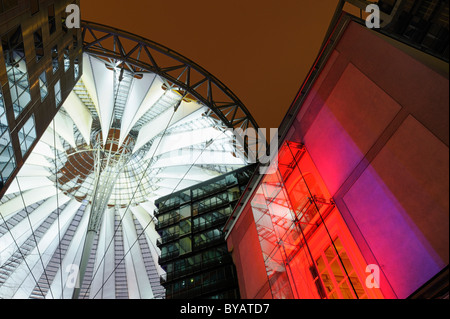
139,55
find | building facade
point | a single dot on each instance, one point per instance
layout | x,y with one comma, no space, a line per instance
358,206
194,253
40,63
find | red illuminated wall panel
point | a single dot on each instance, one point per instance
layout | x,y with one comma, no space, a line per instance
307,249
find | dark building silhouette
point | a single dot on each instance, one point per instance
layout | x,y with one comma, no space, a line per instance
194,253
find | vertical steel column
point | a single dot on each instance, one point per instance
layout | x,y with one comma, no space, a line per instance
107,171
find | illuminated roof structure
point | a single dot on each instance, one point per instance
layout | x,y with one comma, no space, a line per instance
142,122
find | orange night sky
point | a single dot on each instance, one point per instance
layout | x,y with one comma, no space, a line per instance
262,50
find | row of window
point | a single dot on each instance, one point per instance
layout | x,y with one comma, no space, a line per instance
7,159
202,283
16,69
184,245
175,200
201,206
19,86
202,222
201,259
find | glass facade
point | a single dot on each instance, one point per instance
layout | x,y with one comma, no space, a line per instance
307,249
43,89
16,69
38,44
58,99
76,69
31,50
193,249
7,159
51,19
66,59
27,135
55,62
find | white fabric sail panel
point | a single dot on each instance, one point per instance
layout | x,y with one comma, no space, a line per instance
44,149
85,187
197,118
89,81
26,183
109,288
47,246
137,279
39,160
132,285
186,157
146,221
149,206
29,197
104,84
153,95
51,139
64,288
139,90
80,115
69,185
160,192
64,127
153,128
20,233
33,170
174,142
103,284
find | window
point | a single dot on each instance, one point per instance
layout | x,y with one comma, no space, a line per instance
43,85
233,193
167,219
7,159
211,219
170,250
66,59
338,281
27,135
185,245
51,19
185,211
38,44
324,260
75,39
55,63
3,119
203,239
231,179
34,6
185,227
63,21
58,98
76,69
16,69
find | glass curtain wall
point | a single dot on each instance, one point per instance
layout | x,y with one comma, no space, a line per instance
307,249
